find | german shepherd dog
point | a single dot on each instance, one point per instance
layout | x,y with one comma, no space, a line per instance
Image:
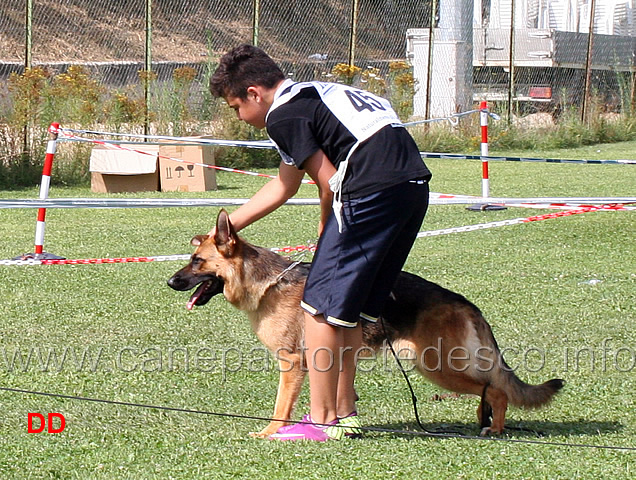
446,336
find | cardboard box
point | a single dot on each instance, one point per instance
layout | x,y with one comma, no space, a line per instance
186,176
116,171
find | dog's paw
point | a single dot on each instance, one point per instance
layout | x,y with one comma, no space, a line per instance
488,431
259,434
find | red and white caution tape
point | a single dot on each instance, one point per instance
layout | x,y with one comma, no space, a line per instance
296,249
93,261
516,221
113,145
70,134
470,228
569,206
304,248
33,260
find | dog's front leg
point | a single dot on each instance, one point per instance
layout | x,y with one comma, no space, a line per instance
292,375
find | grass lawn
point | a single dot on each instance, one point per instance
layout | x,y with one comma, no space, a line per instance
560,296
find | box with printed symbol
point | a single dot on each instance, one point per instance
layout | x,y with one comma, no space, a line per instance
182,168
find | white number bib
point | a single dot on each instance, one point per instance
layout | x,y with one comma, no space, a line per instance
361,112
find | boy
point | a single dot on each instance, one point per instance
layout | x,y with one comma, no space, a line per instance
373,189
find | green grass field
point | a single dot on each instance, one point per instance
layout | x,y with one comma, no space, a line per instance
560,296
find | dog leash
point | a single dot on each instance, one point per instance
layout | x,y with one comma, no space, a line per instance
414,399
408,382
291,267
300,255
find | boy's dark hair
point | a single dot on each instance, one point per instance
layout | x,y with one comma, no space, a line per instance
243,67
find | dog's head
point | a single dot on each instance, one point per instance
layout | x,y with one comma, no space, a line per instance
209,263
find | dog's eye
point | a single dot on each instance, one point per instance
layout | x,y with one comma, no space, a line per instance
196,261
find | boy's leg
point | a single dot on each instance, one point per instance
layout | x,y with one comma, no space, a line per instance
343,273
323,342
346,397
331,361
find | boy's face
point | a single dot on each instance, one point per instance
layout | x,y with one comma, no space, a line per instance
251,110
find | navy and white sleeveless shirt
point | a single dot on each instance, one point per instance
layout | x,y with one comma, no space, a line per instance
359,132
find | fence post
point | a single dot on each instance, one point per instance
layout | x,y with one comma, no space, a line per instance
354,32
28,62
588,63
256,20
28,30
429,70
147,65
483,121
511,78
51,147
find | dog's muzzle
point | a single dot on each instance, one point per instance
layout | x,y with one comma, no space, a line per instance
207,288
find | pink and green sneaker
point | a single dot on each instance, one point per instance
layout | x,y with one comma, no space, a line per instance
308,430
351,425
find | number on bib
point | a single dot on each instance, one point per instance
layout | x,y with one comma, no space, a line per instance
363,101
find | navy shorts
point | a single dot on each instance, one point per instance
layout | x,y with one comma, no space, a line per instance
352,272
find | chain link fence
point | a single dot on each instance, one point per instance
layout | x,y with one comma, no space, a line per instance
147,62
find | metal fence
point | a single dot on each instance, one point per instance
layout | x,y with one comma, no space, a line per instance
520,55
186,31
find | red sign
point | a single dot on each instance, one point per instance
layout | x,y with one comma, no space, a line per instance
37,423
541,92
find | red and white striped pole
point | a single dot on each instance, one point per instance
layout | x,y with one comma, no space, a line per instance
44,187
483,117
485,181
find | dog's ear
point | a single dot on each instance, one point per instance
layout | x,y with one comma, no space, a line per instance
225,236
198,240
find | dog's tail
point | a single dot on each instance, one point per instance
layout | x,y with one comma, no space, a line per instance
503,377
521,394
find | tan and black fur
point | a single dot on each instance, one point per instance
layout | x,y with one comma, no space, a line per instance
454,345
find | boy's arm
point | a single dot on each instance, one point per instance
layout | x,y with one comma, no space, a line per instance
280,189
271,196
320,169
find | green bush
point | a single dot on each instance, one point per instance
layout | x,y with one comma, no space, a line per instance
231,128
185,107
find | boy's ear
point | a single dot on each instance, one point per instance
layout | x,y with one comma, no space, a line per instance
253,91
225,236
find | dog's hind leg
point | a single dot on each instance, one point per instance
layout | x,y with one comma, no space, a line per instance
289,385
497,401
484,411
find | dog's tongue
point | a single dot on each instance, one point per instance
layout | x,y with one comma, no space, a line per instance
195,296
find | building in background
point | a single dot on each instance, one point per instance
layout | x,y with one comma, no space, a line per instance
550,44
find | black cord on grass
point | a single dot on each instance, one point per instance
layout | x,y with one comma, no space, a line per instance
414,397
406,377
369,429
